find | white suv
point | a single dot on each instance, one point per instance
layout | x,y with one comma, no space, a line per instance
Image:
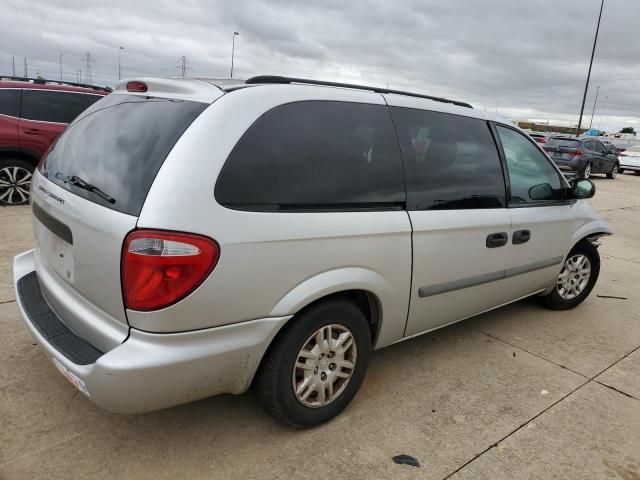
195,237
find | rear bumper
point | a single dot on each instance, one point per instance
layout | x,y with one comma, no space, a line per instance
147,371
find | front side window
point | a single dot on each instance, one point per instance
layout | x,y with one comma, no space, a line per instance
531,175
315,155
451,161
10,102
52,106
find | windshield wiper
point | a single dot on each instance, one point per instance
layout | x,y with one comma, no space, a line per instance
83,184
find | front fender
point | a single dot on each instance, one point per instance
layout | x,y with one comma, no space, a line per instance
590,228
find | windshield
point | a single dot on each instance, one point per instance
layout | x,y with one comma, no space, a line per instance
112,152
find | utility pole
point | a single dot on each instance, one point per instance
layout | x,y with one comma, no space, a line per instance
594,107
88,60
78,75
26,70
13,63
60,62
233,50
586,87
119,62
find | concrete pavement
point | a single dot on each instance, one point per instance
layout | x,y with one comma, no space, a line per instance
521,392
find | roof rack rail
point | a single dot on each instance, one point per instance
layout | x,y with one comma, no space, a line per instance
44,81
279,79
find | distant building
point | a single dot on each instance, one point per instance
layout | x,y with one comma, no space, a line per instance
548,128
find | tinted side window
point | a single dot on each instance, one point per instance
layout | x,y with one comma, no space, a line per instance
531,175
52,106
9,102
599,147
315,154
91,99
451,161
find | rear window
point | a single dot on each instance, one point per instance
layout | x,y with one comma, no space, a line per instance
315,155
118,145
564,142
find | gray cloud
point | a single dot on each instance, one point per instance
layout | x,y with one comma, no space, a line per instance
530,58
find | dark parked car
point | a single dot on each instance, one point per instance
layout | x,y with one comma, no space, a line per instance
583,156
33,112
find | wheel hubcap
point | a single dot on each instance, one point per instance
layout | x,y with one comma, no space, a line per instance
14,185
614,172
324,366
573,277
587,171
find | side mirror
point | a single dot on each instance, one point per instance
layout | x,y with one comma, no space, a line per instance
582,188
543,191
613,151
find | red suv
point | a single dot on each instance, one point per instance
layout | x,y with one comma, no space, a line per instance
33,112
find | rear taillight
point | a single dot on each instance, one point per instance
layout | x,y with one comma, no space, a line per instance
577,153
160,268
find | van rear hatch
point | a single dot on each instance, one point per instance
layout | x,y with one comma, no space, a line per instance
88,195
563,149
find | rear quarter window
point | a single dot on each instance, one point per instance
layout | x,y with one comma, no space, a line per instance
315,155
52,106
10,102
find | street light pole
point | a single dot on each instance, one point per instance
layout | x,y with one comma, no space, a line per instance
233,50
586,87
594,107
60,63
602,111
120,49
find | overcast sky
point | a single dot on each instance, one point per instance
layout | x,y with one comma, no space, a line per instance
530,58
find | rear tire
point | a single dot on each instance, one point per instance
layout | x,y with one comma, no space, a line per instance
637,172
15,181
586,172
620,170
573,284
293,381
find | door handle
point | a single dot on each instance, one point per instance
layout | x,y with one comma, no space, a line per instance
521,236
497,239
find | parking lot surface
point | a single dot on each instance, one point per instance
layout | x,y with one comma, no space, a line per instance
520,392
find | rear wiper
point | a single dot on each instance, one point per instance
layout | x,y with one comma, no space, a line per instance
83,184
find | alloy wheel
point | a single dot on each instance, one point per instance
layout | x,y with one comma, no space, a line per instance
587,171
14,185
324,366
574,277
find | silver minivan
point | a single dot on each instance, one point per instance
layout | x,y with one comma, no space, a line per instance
197,237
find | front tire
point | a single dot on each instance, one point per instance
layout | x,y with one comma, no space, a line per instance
613,173
15,181
577,278
316,365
